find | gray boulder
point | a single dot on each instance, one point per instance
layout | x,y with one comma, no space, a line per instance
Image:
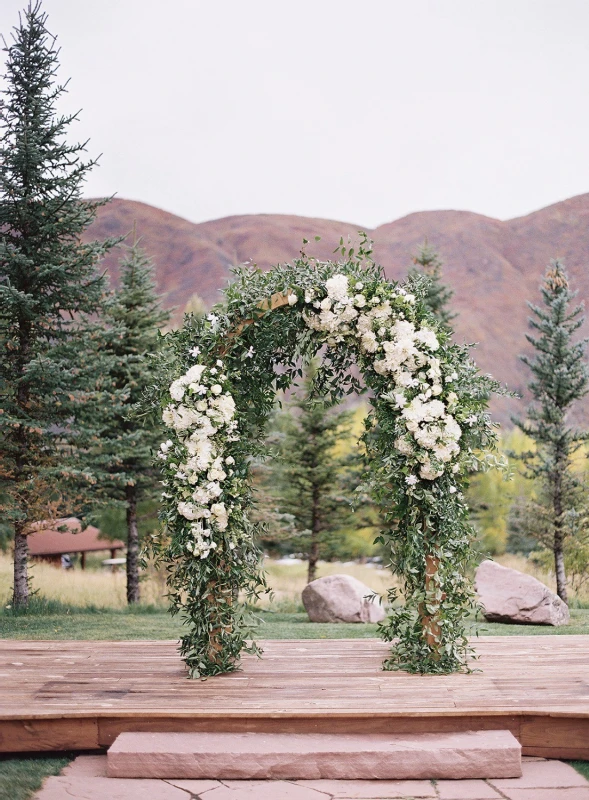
341,598
510,596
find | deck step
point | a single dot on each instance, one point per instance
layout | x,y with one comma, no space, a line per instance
300,756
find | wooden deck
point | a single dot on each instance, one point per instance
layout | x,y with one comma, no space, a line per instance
80,695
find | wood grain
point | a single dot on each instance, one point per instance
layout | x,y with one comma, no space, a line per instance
80,695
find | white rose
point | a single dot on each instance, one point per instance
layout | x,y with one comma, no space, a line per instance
216,389
177,389
201,405
337,287
230,460
292,299
359,300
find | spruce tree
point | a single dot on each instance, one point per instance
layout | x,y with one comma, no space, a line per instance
50,292
136,316
308,478
559,378
437,297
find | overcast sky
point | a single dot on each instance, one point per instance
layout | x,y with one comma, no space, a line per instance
361,111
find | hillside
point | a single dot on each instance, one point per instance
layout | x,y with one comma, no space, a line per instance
493,266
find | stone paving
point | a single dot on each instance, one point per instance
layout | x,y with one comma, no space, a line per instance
85,779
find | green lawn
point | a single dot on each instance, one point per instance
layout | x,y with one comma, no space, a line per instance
107,624
21,777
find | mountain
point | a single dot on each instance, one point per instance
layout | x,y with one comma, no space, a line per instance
493,266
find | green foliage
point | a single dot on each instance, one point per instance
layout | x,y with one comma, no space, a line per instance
437,295
491,494
306,478
135,316
559,378
217,410
52,369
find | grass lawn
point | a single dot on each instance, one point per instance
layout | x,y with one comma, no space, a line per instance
21,777
55,622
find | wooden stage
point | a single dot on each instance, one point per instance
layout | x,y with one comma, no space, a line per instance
59,695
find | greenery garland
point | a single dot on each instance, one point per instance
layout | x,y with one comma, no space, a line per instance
424,435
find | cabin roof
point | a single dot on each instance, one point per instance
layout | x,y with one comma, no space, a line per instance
50,541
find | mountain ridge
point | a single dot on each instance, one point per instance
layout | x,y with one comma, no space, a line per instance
494,266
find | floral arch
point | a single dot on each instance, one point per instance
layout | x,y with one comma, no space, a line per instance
426,431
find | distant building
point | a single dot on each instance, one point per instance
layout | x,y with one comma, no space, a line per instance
50,544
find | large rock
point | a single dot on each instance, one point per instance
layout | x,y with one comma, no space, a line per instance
510,596
340,598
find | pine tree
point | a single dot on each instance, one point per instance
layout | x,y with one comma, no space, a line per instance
437,298
308,477
559,377
136,316
50,292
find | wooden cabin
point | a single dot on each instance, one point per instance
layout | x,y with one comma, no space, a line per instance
50,544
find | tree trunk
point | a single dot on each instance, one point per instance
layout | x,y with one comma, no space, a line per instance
315,531
20,595
132,546
561,581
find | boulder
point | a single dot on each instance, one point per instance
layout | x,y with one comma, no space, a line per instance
510,596
341,598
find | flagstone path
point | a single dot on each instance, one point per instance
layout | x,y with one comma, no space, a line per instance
85,779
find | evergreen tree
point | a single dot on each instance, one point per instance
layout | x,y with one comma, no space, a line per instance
437,298
307,484
136,316
49,294
559,377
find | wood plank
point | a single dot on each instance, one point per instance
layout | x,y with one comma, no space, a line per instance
20,736
526,684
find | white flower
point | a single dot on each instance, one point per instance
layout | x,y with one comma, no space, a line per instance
400,400
177,389
411,480
325,304
214,489
368,342
194,374
250,353
404,447
452,377
216,389
359,286
410,298
213,319
452,490
219,512
187,510
309,295
225,405
219,362
337,287
215,474
375,300
428,473
201,405
359,300
292,299
427,337
452,398
471,420
194,352
165,446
